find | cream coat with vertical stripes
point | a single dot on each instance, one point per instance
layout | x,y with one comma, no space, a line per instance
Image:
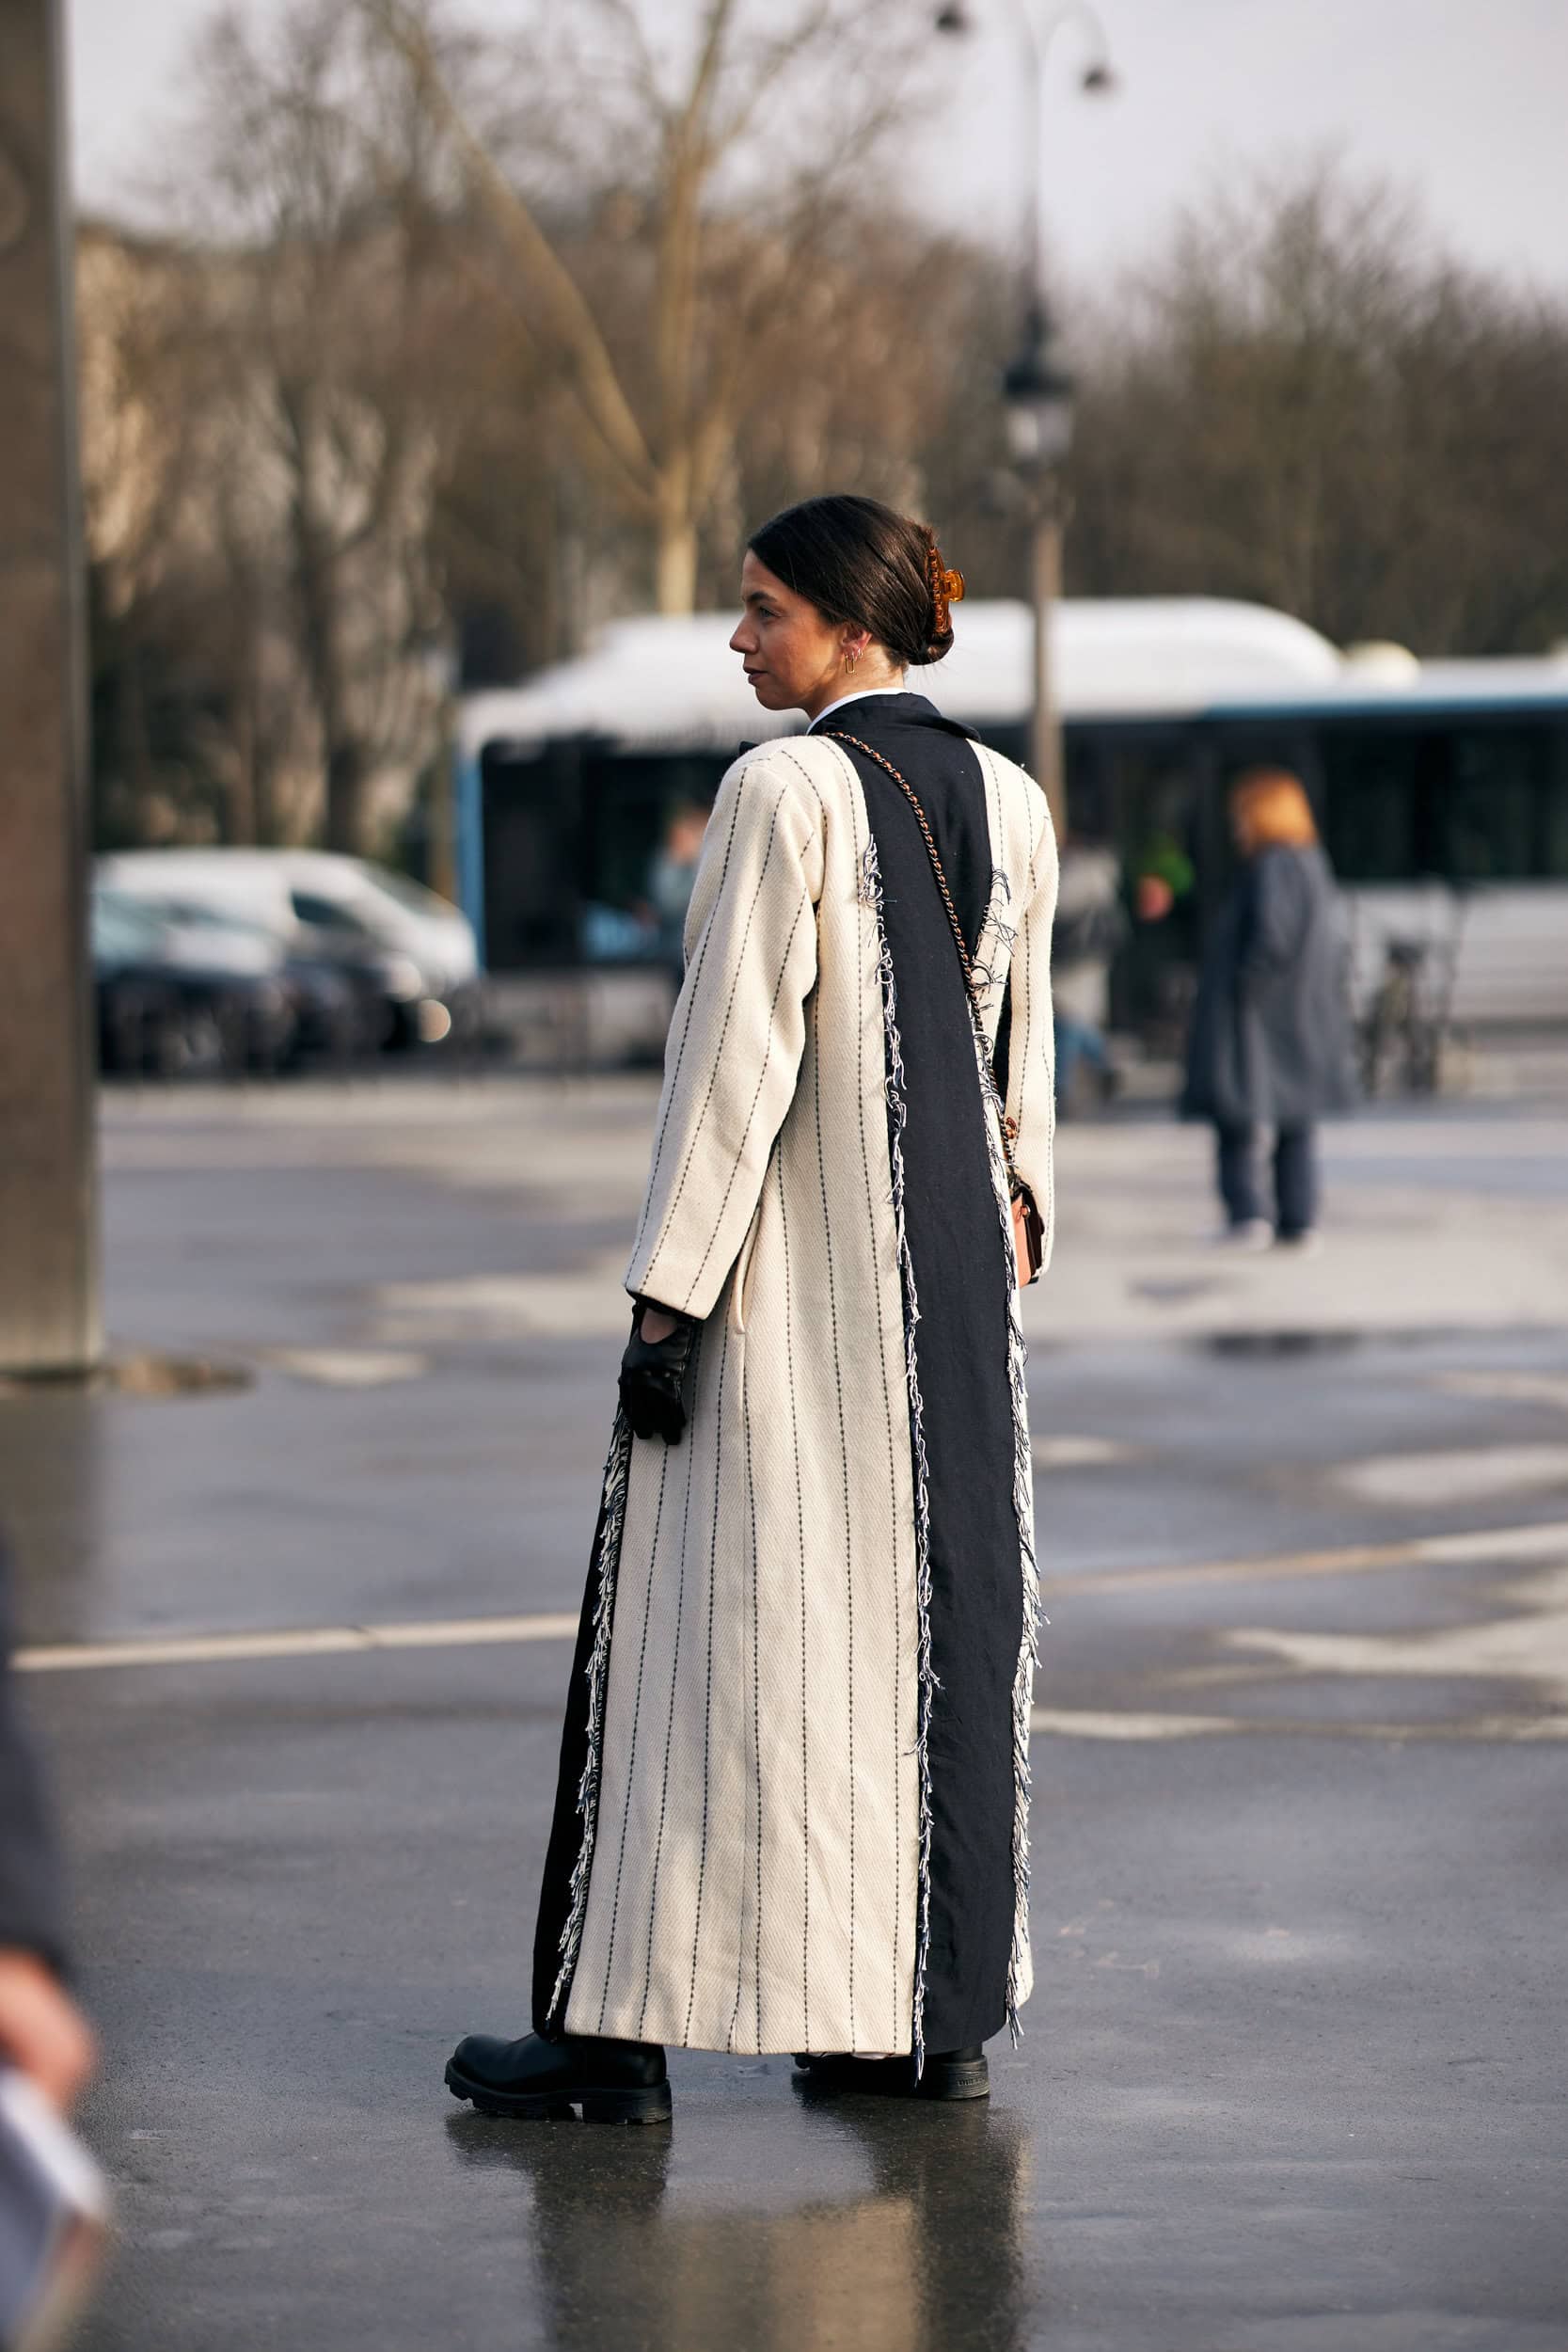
751,1850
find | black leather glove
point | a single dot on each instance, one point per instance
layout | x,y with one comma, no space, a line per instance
653,1373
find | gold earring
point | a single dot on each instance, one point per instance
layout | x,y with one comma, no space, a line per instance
852,654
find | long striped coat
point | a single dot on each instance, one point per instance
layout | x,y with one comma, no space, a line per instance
793,1801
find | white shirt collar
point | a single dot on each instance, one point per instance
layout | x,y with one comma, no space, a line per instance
862,694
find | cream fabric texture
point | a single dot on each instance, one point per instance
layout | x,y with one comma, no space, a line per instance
754,1869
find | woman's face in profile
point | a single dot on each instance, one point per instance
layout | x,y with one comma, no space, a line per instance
793,657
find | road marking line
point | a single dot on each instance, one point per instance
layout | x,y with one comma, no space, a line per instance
203,1649
1519,1387
347,1367
1548,1542
1485,1475
196,1649
1071,1724
1067,1453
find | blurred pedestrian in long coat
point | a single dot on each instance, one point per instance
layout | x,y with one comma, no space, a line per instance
792,1812
1270,1045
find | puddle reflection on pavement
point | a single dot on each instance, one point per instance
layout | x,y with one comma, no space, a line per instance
643,2239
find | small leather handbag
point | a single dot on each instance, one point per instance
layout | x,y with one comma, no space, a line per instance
1028,1225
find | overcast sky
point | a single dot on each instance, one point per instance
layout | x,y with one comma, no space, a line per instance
1462,101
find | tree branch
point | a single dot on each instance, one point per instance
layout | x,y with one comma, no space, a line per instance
572,322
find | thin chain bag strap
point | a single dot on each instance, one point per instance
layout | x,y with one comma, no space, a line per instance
1028,1228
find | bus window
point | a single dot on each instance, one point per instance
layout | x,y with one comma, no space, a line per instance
1090,796
1496,776
1373,803
1554,816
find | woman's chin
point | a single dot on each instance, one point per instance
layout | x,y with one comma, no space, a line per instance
768,694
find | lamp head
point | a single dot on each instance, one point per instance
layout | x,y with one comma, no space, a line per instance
1036,393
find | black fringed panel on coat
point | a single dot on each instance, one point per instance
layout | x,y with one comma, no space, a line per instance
961,1345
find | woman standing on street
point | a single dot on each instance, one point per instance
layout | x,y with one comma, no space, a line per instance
1271,1042
792,1810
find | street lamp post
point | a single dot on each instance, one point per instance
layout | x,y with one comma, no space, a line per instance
1036,395
1037,390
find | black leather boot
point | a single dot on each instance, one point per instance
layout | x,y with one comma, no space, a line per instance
612,2082
947,2074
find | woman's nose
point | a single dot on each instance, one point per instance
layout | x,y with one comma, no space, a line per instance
742,642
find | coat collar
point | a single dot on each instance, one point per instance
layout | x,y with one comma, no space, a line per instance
870,714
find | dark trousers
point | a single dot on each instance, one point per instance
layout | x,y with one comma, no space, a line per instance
1295,1178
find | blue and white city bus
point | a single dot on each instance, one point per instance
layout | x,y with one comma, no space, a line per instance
1442,787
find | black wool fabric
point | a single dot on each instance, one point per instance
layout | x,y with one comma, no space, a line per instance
960,1278
555,1892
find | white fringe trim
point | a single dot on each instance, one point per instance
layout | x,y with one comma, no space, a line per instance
871,896
1020,1968
616,1470
997,936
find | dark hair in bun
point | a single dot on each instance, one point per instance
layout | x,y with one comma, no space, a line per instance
857,560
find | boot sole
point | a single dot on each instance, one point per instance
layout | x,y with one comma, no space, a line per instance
650,2106
970,2080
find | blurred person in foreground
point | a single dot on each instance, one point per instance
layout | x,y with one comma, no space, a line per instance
1271,1043
792,1810
42,2032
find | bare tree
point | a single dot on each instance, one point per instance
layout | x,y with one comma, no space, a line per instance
322,299
656,412
448,349
199,723
1306,404
371,431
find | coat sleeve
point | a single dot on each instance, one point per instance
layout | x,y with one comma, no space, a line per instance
1031,1039
737,1036
29,1877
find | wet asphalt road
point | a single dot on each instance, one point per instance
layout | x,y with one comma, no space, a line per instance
1295,2075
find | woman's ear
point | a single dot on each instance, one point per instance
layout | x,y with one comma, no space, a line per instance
855,642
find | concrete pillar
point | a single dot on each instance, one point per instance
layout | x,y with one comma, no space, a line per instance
48,1186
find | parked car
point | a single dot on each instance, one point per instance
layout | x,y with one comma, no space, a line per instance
340,989
140,1013
182,992
415,951
327,1000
